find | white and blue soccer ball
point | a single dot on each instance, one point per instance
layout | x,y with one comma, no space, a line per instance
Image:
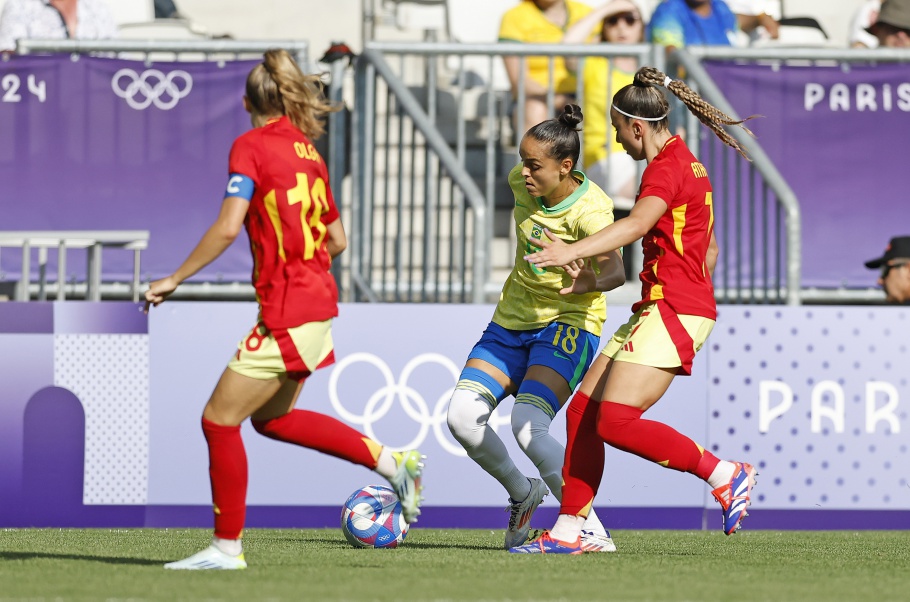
372,518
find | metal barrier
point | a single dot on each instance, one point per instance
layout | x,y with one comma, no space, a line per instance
131,240
206,49
432,141
427,142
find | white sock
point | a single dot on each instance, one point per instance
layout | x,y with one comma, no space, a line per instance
531,427
386,465
468,415
231,547
567,527
722,474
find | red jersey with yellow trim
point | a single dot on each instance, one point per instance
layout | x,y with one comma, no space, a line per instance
675,269
290,208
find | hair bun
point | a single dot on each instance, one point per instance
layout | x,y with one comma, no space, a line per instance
571,116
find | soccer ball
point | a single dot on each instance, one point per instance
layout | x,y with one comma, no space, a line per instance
372,518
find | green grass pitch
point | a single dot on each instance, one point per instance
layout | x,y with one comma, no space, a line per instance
433,564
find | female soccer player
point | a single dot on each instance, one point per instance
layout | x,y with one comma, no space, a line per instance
673,214
540,342
279,189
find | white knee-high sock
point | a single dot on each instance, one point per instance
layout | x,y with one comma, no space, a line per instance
468,415
531,427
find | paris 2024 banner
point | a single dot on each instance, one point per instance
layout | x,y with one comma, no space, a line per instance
92,143
837,134
97,143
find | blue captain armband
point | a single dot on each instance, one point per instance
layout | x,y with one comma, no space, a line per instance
240,185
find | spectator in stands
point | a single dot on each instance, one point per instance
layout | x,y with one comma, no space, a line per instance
540,22
892,27
759,19
864,17
605,161
895,266
55,20
678,23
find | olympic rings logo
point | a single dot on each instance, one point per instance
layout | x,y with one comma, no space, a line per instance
152,87
415,407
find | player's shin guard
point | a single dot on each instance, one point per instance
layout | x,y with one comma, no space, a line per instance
622,427
584,460
228,472
322,433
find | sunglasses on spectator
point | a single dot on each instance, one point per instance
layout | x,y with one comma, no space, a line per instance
629,18
886,269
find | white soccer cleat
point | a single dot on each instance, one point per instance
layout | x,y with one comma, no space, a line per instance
210,558
520,514
597,542
407,482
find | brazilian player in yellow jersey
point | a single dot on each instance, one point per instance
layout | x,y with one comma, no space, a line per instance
543,335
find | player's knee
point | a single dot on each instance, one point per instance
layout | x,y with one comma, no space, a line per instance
270,427
613,419
475,397
468,414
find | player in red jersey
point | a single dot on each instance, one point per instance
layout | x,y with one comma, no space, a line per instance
673,215
279,189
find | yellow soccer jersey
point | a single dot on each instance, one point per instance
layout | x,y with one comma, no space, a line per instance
530,297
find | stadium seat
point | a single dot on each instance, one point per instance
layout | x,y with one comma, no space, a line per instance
132,11
163,29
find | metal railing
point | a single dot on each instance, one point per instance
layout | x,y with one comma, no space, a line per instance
433,138
93,241
420,232
433,144
196,49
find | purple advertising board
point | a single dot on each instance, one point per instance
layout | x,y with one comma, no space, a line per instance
835,133
104,144
100,409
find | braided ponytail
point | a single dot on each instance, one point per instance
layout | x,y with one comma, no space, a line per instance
644,99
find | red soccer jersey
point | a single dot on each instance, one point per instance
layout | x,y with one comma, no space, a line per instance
286,222
675,269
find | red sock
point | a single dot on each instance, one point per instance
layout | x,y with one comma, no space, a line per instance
584,462
322,433
228,472
622,427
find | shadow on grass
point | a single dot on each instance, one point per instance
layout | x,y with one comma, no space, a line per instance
334,542
104,559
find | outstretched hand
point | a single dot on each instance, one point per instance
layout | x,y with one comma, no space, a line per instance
584,278
159,290
553,251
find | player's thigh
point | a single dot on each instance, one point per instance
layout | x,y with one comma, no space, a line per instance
636,385
236,397
264,375
560,356
502,354
596,377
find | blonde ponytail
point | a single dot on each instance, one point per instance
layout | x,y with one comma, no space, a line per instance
278,86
